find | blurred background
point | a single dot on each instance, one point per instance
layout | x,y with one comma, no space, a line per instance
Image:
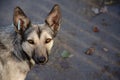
88,44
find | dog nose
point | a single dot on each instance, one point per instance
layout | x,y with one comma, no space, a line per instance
41,59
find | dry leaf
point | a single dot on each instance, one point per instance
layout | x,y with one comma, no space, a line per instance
95,29
90,51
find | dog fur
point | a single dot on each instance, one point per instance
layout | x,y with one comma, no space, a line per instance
27,44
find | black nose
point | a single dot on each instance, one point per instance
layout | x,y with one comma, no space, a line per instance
41,59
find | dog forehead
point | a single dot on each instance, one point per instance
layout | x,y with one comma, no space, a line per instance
39,31
45,29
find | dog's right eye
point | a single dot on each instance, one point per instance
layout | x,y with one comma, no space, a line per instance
31,41
48,40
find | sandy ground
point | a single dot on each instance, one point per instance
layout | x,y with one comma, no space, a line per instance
76,37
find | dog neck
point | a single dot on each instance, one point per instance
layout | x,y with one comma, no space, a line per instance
18,51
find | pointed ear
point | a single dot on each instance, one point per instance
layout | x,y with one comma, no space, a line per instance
54,18
20,20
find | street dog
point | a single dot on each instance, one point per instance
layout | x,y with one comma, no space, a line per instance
26,44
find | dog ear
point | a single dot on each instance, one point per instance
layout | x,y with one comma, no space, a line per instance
54,18
21,21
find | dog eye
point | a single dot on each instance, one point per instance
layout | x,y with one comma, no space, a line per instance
48,40
31,41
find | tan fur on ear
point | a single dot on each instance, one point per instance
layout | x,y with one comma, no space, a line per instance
54,18
19,15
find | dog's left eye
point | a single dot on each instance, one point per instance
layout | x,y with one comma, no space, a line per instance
48,40
31,41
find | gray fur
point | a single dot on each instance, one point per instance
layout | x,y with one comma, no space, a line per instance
21,48
12,55
10,64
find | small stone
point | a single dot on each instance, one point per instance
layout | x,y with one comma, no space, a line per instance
95,10
105,49
104,9
81,30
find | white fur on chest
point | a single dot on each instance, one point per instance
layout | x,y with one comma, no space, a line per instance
13,70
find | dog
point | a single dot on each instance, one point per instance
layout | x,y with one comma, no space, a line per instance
27,44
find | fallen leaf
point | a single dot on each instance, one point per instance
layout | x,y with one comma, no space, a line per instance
90,51
95,29
109,2
65,54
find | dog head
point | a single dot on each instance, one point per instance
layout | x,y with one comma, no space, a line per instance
37,40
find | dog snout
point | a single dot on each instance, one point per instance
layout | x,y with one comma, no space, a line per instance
40,55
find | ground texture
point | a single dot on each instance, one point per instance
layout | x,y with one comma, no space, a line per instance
81,31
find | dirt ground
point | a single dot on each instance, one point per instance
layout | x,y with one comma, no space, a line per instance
87,46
